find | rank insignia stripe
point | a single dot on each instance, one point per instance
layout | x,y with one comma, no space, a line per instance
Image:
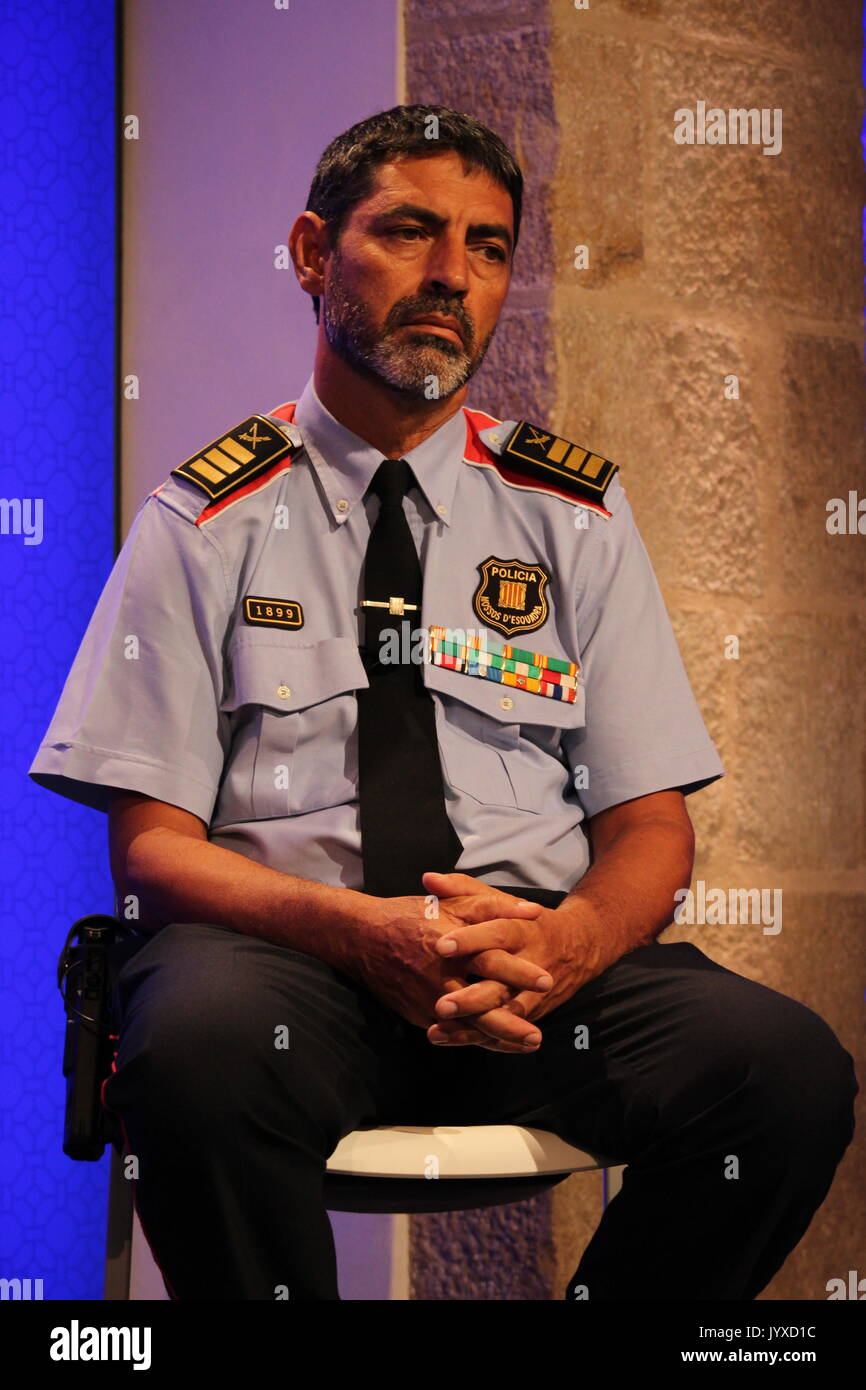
272,612
235,458
510,596
537,453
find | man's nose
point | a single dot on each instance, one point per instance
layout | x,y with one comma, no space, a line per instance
447,266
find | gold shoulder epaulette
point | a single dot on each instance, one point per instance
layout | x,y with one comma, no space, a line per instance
535,453
236,458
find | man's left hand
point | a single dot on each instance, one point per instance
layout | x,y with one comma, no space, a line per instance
566,943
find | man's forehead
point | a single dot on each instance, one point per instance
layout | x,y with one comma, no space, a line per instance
442,177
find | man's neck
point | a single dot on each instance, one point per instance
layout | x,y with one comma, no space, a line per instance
386,419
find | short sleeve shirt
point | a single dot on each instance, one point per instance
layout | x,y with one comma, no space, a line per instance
185,689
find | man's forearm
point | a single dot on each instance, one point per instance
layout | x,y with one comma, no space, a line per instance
179,878
628,893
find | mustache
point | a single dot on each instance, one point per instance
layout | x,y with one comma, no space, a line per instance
407,312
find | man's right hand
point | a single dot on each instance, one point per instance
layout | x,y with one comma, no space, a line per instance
395,958
162,859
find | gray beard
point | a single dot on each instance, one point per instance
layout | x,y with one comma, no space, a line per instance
423,367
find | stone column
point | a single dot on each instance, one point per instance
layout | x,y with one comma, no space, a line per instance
709,340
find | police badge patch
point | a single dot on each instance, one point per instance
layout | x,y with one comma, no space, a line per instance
510,597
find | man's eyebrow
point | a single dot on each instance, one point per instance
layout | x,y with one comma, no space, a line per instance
492,229
421,214
433,219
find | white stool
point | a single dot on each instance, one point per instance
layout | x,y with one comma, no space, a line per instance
392,1169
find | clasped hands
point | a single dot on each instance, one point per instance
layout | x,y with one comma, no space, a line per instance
531,959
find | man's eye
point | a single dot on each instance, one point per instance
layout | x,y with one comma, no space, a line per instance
498,253
400,231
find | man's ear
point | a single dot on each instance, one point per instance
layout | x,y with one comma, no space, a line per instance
309,246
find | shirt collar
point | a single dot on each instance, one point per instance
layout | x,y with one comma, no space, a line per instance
345,464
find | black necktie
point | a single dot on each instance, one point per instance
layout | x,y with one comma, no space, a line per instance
404,825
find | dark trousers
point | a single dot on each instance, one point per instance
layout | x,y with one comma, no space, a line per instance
730,1103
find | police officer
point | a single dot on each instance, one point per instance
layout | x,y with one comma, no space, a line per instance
394,735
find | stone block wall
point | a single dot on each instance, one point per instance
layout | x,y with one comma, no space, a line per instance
710,343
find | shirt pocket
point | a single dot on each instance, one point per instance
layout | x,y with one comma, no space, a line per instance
295,741
502,745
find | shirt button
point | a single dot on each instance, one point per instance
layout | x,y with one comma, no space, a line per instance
283,691
342,505
506,702
443,511
494,439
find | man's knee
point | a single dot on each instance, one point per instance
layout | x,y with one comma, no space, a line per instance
754,1058
800,1079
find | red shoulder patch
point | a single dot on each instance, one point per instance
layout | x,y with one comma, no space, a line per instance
476,450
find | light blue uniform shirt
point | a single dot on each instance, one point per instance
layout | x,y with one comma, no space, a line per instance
253,728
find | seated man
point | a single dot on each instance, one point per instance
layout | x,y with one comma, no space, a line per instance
405,848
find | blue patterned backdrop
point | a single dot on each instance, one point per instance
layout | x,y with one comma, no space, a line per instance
57,398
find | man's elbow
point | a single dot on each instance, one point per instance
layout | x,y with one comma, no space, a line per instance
145,854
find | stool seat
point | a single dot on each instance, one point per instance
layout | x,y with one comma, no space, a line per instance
456,1151
384,1168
